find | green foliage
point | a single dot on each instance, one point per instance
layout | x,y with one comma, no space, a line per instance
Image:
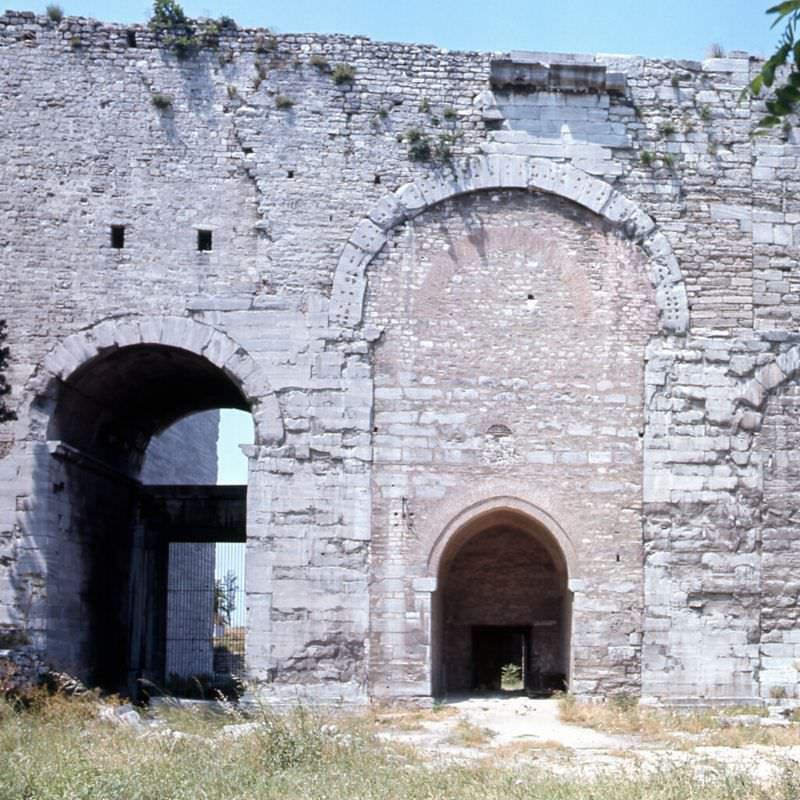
449,113
59,747
666,128
209,34
75,42
167,16
422,148
511,676
424,105
6,414
225,588
675,80
704,112
716,51
344,73
784,98
232,91
320,62
161,101
181,34
55,12
650,159
283,102
419,145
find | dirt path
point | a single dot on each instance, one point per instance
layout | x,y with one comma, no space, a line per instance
515,718
518,727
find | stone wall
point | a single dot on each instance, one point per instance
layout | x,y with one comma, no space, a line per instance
579,314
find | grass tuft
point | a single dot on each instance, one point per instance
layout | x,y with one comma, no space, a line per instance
344,73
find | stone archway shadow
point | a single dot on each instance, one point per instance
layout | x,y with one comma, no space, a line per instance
502,573
508,172
178,332
482,509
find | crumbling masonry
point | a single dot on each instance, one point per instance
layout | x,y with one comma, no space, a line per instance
519,336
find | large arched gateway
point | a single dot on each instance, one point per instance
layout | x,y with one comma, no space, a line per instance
131,598
502,600
130,523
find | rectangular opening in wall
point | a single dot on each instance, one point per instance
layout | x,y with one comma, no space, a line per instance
131,37
118,236
203,240
206,617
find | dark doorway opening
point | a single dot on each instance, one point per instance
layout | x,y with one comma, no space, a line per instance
502,612
109,554
500,658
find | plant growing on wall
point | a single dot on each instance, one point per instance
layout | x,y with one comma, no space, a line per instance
344,73
422,147
786,97
6,414
182,34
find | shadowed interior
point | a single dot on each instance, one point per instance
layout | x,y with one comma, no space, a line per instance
106,566
502,599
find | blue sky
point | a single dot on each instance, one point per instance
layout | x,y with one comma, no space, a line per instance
235,428
670,28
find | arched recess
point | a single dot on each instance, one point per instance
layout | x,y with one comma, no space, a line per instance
181,333
105,393
503,569
508,172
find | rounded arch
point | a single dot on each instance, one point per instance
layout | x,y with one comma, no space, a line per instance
199,339
508,172
473,518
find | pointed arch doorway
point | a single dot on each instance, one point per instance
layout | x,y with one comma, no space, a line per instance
503,604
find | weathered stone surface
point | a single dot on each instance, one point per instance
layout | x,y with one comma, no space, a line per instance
547,316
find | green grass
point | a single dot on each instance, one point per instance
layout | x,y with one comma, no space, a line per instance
58,750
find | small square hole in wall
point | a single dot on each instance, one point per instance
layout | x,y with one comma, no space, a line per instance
131,37
118,236
204,240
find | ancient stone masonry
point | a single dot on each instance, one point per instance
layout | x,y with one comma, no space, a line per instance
518,334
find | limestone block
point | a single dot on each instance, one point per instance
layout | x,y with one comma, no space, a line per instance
594,195
514,172
544,175
789,361
368,236
411,200
387,212
771,376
